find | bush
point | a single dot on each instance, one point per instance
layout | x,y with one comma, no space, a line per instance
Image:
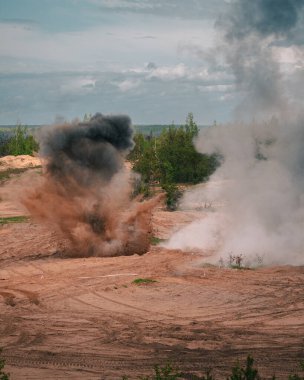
166,372
140,281
171,158
18,142
141,187
5,136
173,195
163,373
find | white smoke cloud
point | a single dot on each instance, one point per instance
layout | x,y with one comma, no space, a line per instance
256,197
258,211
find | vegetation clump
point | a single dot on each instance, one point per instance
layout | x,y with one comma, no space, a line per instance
170,159
154,240
141,281
13,219
248,372
17,142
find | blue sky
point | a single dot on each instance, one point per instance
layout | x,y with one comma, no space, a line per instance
151,59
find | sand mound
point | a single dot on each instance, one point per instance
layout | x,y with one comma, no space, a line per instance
18,162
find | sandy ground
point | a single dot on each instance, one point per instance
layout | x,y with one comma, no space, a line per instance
85,319
18,162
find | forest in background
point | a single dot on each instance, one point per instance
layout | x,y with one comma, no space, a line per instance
164,156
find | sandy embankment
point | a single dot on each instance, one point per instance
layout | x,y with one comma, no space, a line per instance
11,191
19,162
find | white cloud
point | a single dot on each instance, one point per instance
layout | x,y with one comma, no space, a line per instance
77,85
190,9
291,57
209,80
121,44
128,85
169,73
227,97
125,4
217,88
103,63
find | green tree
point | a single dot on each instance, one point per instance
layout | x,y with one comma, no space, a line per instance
87,117
171,159
144,157
21,142
173,195
191,126
178,158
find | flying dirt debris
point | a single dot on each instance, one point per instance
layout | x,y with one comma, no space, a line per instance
85,189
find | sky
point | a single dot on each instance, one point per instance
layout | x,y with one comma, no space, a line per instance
155,60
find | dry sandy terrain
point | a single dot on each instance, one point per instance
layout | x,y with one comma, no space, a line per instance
17,162
85,319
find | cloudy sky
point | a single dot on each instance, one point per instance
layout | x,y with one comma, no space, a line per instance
151,59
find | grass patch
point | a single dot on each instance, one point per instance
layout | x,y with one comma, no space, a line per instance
154,240
140,281
14,219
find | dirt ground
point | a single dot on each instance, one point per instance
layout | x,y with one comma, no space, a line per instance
86,319
18,162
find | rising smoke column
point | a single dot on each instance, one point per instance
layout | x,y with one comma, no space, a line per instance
260,184
85,190
251,32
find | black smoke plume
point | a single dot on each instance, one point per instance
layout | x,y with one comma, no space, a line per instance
265,17
87,150
85,190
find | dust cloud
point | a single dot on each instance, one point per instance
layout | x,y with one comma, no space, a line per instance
256,196
85,190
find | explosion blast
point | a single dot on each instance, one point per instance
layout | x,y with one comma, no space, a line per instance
85,190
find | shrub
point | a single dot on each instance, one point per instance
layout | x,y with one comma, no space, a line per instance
163,373
140,281
171,158
141,187
20,142
5,136
154,240
173,195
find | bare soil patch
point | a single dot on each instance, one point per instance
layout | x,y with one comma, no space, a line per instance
85,318
18,162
